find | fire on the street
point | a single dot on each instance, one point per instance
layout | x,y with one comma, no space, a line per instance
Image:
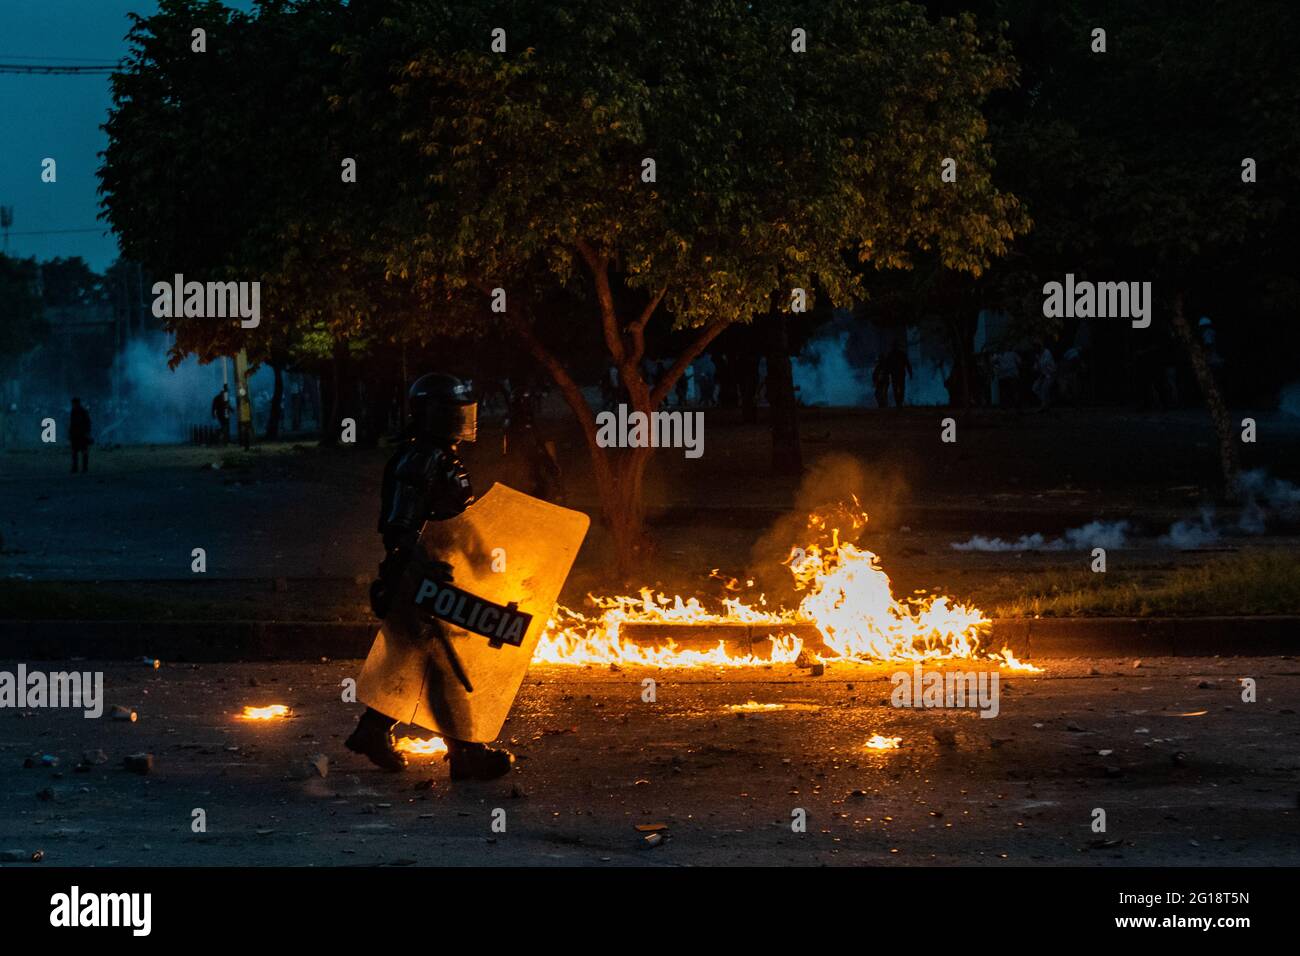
847,598
754,707
426,747
270,712
877,742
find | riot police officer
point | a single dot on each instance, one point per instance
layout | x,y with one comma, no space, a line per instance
425,480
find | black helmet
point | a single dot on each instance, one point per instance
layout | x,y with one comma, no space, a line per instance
443,408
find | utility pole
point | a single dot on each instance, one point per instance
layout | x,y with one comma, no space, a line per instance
6,220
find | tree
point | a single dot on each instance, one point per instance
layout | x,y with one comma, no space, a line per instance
1131,161
772,169
1182,205
70,282
526,170
225,165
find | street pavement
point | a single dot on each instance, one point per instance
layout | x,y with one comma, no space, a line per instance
1186,772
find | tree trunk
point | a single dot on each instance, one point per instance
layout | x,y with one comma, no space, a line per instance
624,508
619,472
1213,398
334,407
277,399
787,458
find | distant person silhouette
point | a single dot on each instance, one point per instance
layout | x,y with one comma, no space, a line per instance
1045,370
899,368
245,402
79,434
880,382
1006,369
221,412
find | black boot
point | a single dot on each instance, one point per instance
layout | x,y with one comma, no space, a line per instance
477,761
374,739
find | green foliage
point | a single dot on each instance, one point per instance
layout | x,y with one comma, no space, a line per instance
70,282
1131,159
774,169
226,165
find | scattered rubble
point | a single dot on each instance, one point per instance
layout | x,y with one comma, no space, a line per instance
138,763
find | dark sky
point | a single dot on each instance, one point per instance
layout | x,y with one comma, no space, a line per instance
59,117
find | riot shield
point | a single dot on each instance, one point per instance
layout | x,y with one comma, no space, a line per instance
451,655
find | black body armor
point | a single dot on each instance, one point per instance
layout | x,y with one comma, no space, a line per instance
422,482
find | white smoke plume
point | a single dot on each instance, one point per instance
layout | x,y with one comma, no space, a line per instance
825,376
1264,496
157,405
1188,535
1096,534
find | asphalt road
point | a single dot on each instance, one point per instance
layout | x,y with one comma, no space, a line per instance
1179,787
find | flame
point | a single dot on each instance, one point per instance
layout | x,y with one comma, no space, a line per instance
1010,662
270,712
847,598
878,742
429,746
754,707
573,638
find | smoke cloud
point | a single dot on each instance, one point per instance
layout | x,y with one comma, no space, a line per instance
1096,534
824,375
829,488
157,405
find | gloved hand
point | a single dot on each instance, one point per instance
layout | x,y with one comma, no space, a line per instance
384,587
439,571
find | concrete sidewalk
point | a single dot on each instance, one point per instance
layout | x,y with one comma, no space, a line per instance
1044,638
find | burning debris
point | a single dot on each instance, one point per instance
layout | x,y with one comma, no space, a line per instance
270,712
848,610
877,742
754,707
426,747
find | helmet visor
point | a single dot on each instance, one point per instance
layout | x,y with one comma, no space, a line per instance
465,422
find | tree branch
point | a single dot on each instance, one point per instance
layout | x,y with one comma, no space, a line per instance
649,310
707,335
599,266
568,387
637,329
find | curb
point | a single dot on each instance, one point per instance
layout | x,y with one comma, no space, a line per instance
1043,638
184,641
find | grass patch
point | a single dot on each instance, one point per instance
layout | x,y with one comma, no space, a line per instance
1252,582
